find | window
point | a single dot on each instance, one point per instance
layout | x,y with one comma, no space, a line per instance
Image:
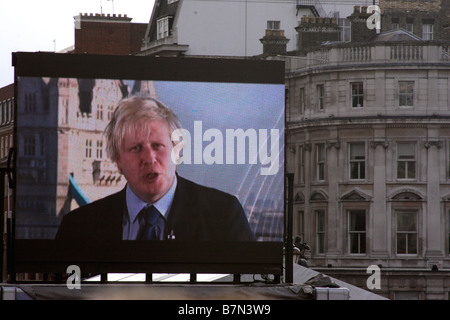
406,160
320,230
406,295
357,231
357,161
88,148
273,25
99,149
357,94
30,102
406,232
410,25
29,145
162,28
427,31
406,93
346,30
320,162
99,112
320,96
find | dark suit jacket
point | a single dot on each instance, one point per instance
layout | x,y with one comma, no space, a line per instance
198,213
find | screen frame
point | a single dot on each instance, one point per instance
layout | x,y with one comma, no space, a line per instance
129,256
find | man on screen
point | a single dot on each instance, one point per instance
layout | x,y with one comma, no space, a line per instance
157,203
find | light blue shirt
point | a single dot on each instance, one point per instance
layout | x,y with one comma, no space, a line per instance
135,204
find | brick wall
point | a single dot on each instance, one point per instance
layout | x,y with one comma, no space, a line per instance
416,13
101,34
314,30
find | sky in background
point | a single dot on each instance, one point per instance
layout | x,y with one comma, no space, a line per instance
48,25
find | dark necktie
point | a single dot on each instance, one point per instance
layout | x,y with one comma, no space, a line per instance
152,224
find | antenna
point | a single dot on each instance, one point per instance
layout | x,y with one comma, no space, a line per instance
112,4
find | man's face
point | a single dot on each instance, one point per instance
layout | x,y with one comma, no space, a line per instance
145,161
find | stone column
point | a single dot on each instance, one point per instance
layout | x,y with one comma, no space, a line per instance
333,225
379,214
432,216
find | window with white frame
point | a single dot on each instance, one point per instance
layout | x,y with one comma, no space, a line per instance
162,28
406,93
357,161
320,96
320,162
99,150
357,231
406,160
273,25
345,33
406,232
88,148
410,25
357,94
320,231
427,31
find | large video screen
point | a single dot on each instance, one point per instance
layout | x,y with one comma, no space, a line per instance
103,141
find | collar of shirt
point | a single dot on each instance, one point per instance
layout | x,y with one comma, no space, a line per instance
135,204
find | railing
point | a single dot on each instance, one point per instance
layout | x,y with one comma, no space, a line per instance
313,3
344,55
406,52
356,54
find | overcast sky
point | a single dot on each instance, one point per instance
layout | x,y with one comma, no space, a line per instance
46,25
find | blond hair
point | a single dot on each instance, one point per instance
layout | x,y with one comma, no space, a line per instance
135,113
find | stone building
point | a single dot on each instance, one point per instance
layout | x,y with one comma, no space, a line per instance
368,139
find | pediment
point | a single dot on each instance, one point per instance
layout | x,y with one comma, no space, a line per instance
318,196
355,195
299,197
407,196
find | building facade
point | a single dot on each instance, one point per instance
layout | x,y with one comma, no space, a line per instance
368,138
211,28
429,20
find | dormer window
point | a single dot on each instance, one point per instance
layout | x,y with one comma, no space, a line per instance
162,28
